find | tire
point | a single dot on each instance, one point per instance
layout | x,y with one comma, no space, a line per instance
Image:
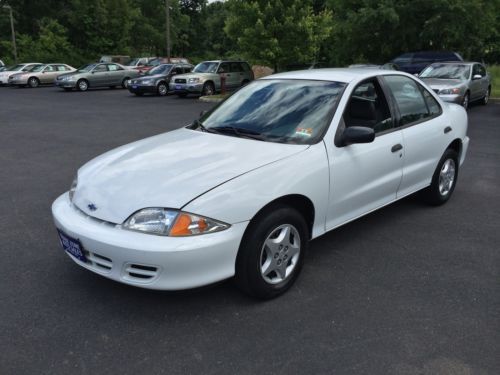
33,82
82,85
182,95
466,101
124,82
208,89
265,271
486,98
162,89
444,179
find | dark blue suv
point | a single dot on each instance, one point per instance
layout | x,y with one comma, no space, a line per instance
415,62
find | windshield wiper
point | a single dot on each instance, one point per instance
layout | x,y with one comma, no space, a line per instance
239,132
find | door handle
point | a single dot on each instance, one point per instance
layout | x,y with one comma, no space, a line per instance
447,129
396,148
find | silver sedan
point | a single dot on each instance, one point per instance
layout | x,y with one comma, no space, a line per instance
458,82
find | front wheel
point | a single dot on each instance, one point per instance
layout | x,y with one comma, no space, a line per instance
162,89
444,179
208,89
271,252
82,85
33,82
486,98
125,82
465,101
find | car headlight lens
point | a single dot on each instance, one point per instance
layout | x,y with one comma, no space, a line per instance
146,81
72,189
193,80
165,222
450,91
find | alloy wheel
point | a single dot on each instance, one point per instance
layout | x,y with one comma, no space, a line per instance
446,177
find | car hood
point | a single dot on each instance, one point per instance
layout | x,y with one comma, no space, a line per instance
437,83
153,77
196,75
168,170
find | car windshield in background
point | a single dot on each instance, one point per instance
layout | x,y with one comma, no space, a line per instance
446,71
37,68
206,67
285,111
132,62
162,69
30,68
86,68
15,67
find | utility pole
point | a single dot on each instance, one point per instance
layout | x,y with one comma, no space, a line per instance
14,48
167,25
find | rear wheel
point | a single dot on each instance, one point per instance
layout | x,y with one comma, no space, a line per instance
271,252
444,179
486,98
208,89
162,89
82,85
125,82
33,82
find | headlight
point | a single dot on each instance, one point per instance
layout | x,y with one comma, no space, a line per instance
73,188
449,91
146,81
165,222
193,80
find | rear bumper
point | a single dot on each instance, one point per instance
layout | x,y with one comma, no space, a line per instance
165,263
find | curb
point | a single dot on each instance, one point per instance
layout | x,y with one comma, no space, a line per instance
495,100
209,99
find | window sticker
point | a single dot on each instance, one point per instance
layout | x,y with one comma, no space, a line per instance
307,132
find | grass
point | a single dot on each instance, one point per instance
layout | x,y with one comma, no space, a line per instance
495,76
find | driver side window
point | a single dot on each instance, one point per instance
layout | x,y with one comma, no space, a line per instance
100,68
368,108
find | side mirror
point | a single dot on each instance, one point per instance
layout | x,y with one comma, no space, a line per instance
357,134
477,76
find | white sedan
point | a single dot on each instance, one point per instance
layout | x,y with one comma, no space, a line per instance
241,191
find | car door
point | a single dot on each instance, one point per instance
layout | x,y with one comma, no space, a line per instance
237,75
98,76
48,74
224,68
365,176
426,133
475,83
115,75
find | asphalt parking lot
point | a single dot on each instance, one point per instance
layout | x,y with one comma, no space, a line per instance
405,290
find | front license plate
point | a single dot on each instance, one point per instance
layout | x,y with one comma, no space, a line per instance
72,246
178,87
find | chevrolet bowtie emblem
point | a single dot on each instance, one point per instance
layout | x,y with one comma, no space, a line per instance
92,207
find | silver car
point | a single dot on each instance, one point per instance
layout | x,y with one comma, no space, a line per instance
24,67
458,82
97,75
205,79
39,75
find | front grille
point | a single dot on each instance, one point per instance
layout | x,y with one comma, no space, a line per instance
140,272
180,80
98,262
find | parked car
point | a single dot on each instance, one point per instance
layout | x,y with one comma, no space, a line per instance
2,68
313,65
4,75
156,80
139,62
1,64
205,77
162,60
459,83
96,75
242,190
415,62
119,59
39,75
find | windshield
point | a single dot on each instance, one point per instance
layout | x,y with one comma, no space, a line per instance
206,67
160,69
446,71
37,68
16,67
86,68
132,62
285,111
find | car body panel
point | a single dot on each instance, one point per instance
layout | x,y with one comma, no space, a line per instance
47,75
4,75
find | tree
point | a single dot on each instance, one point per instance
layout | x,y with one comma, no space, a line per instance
281,33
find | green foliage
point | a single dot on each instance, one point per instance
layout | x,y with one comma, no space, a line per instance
494,70
280,33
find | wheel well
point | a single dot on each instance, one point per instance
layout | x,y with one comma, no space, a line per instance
34,78
456,145
211,82
299,202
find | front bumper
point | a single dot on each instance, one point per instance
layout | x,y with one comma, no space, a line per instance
65,84
453,98
142,89
18,82
186,88
149,261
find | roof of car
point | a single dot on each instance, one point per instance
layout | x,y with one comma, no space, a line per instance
335,74
456,62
